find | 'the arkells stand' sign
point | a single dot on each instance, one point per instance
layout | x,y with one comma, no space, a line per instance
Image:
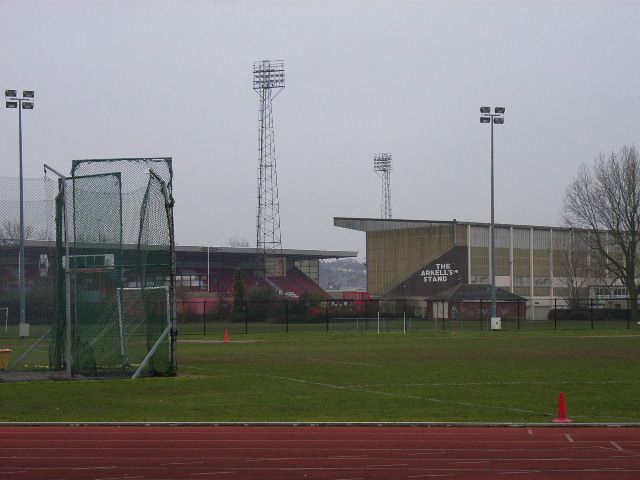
441,273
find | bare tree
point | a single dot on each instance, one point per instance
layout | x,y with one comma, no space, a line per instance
10,232
604,199
238,242
572,265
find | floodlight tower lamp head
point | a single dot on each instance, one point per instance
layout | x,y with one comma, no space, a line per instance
268,74
382,162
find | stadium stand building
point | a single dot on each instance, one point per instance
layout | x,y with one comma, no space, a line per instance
289,272
450,261
201,270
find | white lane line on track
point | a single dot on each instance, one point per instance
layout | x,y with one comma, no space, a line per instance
432,475
388,465
280,459
618,447
519,472
110,467
569,438
213,473
267,459
126,477
330,457
397,395
180,463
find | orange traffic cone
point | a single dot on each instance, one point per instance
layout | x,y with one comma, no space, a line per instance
226,336
562,411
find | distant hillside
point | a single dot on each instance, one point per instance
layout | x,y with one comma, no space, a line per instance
343,274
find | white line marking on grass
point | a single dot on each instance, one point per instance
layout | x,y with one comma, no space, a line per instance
569,438
219,341
497,384
398,395
347,363
618,447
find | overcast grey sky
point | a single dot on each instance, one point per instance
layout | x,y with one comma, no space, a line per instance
122,78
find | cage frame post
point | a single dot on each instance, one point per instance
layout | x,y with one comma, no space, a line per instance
152,351
168,204
67,272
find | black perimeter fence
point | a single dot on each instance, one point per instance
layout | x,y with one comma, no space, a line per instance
199,317
204,317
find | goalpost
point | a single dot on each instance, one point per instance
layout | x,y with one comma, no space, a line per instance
133,306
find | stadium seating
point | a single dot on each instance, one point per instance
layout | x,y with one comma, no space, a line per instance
296,283
293,285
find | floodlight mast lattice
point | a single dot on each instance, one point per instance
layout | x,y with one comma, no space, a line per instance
493,118
268,83
382,167
21,103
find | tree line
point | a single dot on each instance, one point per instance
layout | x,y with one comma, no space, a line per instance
601,209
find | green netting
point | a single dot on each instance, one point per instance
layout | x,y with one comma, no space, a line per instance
29,353
121,267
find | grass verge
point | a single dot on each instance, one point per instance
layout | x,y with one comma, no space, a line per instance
437,376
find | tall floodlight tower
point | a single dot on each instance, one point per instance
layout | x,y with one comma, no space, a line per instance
268,82
382,166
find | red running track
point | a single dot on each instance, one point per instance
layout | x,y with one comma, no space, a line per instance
314,453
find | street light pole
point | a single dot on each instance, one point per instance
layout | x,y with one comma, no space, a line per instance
24,102
492,118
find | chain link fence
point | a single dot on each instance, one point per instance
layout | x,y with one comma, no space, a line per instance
39,232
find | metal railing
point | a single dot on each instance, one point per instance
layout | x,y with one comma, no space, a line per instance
204,317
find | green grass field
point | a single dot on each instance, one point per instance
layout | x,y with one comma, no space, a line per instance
436,376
